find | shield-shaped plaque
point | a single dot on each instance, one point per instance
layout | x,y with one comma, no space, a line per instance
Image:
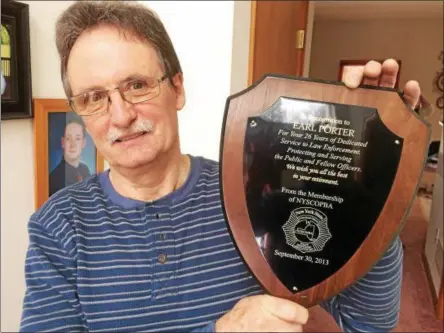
317,180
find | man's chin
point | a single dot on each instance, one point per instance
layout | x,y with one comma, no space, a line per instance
133,162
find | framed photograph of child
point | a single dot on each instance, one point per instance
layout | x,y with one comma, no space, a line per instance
65,153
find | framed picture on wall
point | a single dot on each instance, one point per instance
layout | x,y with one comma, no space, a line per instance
64,151
16,92
346,66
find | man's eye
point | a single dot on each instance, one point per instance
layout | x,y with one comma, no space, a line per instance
138,85
95,96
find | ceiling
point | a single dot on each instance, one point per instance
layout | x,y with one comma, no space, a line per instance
374,9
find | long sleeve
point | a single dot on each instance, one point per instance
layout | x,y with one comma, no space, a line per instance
209,328
372,303
50,302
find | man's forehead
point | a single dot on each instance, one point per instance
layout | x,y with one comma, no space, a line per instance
104,57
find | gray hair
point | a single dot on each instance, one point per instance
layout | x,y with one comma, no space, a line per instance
130,18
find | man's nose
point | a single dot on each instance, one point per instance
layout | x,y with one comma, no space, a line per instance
122,115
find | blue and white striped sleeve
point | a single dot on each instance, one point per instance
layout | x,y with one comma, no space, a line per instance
50,302
209,328
372,303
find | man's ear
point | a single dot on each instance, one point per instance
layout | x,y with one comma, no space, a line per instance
62,142
179,89
84,143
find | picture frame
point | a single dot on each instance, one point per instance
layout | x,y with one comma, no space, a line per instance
345,65
64,151
16,86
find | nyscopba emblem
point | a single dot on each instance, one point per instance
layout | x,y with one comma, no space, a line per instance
306,230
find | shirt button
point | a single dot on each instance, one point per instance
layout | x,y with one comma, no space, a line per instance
162,258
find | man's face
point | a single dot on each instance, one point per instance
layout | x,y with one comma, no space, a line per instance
102,58
73,142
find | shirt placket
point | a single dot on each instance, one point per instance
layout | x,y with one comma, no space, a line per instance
164,260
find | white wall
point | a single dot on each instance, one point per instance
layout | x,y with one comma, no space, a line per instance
203,36
17,163
202,32
17,200
241,46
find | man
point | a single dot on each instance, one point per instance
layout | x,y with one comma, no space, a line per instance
70,170
144,246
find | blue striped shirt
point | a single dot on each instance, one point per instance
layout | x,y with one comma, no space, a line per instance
100,262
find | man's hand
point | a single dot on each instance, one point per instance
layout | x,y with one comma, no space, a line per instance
263,313
383,75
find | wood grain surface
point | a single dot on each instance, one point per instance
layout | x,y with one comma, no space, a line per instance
394,113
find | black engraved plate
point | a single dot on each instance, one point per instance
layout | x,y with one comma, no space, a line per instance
316,178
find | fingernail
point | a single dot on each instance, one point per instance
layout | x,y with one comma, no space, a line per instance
352,81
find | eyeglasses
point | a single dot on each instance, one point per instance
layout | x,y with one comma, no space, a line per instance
133,91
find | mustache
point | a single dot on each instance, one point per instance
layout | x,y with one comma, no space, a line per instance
141,126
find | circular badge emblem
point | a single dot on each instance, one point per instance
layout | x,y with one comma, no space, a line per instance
306,230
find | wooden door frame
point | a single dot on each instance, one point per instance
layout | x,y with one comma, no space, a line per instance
252,36
253,9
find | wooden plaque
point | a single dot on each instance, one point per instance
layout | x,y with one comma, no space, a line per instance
317,180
